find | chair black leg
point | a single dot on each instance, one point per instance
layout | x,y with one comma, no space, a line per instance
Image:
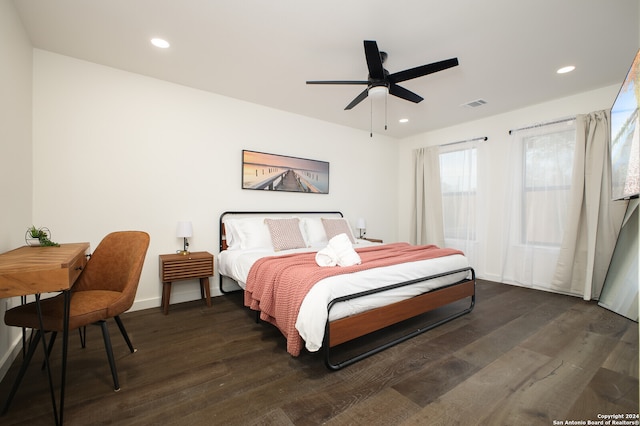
83,341
49,348
124,333
83,336
51,342
112,362
23,369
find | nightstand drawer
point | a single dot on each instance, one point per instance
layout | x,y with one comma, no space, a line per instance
174,267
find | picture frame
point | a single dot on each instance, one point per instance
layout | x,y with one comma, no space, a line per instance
273,172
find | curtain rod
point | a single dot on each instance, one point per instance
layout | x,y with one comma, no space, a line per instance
483,138
564,120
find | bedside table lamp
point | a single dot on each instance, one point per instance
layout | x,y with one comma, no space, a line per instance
361,225
185,230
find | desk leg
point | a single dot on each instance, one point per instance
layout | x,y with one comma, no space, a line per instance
46,359
25,363
23,300
23,369
65,346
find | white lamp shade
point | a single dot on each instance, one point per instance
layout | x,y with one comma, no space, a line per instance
185,230
361,224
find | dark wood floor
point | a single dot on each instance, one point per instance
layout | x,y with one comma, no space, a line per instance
522,357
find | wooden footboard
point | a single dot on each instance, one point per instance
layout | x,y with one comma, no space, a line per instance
355,326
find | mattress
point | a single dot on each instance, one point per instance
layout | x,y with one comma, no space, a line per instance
313,314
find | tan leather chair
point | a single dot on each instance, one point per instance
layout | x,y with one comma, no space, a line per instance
105,289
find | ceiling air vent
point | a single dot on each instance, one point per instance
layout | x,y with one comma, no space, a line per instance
475,104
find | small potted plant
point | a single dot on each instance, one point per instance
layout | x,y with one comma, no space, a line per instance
39,237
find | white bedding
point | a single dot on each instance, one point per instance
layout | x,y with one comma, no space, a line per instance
313,311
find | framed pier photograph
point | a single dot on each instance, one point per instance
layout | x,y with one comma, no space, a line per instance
273,172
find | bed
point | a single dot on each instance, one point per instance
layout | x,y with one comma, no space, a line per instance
273,258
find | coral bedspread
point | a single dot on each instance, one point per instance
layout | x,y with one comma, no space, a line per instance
276,285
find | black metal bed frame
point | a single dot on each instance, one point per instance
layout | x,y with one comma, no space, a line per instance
327,348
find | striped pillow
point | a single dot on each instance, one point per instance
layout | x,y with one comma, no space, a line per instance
285,233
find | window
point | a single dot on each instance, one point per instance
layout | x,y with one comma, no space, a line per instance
548,166
458,179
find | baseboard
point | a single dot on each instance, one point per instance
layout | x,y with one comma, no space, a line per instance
176,297
9,356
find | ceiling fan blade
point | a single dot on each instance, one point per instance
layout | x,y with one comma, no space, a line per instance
358,99
337,82
423,70
403,93
374,60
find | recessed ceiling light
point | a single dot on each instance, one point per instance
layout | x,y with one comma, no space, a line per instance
158,42
565,70
403,120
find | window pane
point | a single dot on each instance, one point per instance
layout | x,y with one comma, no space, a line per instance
458,171
548,165
459,184
549,160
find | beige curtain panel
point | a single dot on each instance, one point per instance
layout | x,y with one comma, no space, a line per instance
427,223
594,220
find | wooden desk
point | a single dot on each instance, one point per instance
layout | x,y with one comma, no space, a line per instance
35,270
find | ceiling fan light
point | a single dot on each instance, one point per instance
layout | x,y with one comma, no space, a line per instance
378,91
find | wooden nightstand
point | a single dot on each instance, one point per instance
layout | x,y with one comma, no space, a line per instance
175,267
373,240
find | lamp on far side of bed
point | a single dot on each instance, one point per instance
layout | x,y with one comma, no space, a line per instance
361,225
185,230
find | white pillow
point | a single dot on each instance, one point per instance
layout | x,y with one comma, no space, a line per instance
333,227
314,233
231,234
249,232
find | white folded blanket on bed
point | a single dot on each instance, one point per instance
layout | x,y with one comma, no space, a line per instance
326,257
341,245
339,252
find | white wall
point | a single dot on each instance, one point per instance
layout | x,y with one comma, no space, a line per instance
115,150
496,128
15,151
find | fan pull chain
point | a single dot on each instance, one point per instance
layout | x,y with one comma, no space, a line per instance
370,116
385,111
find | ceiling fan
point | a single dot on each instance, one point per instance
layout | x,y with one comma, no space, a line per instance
380,79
